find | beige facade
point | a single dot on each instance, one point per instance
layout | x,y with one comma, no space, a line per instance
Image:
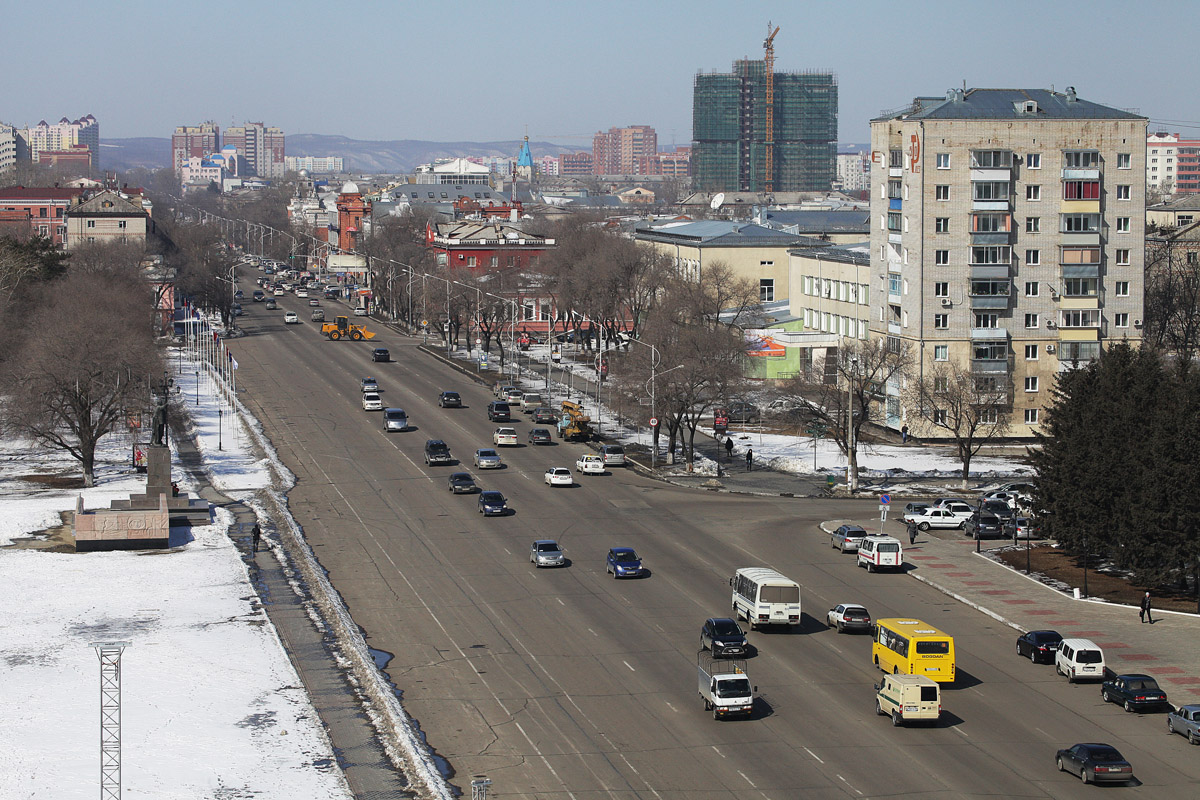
106,217
1007,236
831,290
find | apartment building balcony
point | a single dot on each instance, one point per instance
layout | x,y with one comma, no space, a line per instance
992,174
993,272
1081,238
1081,174
995,237
988,301
895,204
1080,207
990,205
1087,303
989,335
991,366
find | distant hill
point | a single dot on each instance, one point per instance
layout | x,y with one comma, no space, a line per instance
401,155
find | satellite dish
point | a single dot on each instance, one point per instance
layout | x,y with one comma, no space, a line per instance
717,200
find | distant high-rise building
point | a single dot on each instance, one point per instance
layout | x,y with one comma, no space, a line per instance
194,141
314,163
262,147
1172,163
576,164
616,152
854,172
548,165
676,164
64,136
8,147
729,130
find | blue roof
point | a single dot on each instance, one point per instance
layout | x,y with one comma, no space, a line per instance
525,159
1007,104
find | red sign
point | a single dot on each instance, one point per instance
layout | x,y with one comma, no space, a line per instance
654,422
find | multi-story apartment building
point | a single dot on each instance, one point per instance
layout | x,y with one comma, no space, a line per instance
853,172
1172,163
729,125
262,147
314,164
194,141
8,147
831,289
576,164
1008,231
63,137
617,151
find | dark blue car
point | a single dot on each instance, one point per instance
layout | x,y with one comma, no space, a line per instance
623,562
492,504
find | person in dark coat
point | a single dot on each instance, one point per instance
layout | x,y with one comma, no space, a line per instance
1145,612
729,447
749,459
912,532
255,537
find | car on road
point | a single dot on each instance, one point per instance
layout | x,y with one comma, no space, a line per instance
1185,721
449,400
371,402
722,636
1079,659
394,419
530,401
908,698
279,292
505,437
1022,528
331,293
539,436
499,411
437,452
613,455
368,384
500,389
1039,645
983,525
301,292
271,304
623,562
487,458
1134,692
1095,763
590,464
492,504
849,617
362,311
935,518
847,538
546,553
544,416
512,396
318,315
381,354
461,483
239,295
290,318
312,301
558,476
259,296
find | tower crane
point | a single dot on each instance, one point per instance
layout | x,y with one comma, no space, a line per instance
769,139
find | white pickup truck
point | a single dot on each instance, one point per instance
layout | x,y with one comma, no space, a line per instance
724,686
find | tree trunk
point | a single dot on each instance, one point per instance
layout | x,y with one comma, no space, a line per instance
852,460
87,460
965,455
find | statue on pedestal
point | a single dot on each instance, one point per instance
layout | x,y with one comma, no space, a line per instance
159,427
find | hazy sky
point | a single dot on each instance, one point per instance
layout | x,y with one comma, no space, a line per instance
562,70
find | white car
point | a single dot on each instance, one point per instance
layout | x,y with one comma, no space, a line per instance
590,465
559,476
279,292
935,518
487,458
361,311
505,436
302,293
371,402
291,318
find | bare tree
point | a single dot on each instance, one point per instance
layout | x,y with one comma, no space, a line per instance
973,409
1172,300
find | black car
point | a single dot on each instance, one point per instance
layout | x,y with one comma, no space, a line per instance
1135,692
539,436
499,411
331,294
983,525
461,483
1095,763
492,504
544,416
381,354
258,296
449,400
998,508
723,637
437,452
1039,646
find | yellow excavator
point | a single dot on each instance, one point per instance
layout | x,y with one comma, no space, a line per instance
341,328
574,423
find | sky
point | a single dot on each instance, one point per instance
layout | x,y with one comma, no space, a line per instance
560,71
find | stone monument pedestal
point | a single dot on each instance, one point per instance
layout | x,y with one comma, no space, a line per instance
181,510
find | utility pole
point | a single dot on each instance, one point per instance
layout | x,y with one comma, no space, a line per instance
110,717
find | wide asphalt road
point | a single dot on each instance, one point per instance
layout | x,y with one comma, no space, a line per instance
568,683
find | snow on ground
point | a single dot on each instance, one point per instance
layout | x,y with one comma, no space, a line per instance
211,706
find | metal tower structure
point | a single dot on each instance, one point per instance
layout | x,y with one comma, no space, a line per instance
110,717
479,787
769,138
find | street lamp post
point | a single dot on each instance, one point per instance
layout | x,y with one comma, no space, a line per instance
197,387
1085,564
851,477
220,429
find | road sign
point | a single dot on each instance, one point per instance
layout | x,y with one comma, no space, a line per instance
654,422
479,341
424,323
885,499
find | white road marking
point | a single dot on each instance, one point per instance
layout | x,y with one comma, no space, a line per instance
592,632
1042,732
671,707
843,780
560,602
508,551
631,669
718,752
747,779
959,732
814,755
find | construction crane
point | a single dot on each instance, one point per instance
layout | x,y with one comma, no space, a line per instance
769,141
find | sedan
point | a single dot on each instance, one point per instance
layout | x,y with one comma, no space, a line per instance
1134,692
559,476
546,553
623,562
590,464
1185,721
371,402
505,436
279,292
539,436
938,502
461,483
394,419
849,617
312,301
301,293
1039,645
935,518
290,318
368,385
1095,763
847,538
487,458
381,354
492,504
1021,528
449,400
724,637
544,416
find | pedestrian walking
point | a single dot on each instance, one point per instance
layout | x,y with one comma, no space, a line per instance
729,447
912,533
749,459
255,537
1145,612
904,435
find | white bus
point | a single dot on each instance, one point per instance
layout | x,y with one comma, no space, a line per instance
763,596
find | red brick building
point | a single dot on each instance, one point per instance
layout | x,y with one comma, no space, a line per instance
194,141
618,151
38,211
576,164
482,245
351,208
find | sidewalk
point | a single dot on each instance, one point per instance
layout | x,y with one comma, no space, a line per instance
1169,649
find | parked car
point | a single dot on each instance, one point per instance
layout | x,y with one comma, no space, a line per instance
500,389
449,400
487,458
1078,659
740,411
461,483
723,637
544,416
492,504
983,525
368,384
437,452
539,436
381,354
998,507
558,476
623,562
291,318
1185,721
590,464
546,553
372,402
1039,645
938,502
935,517
361,311
1095,763
849,617
498,411
915,508
1134,692
505,437
331,293
1022,528
394,419
847,538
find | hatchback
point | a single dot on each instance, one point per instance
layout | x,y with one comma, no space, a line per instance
544,416
487,458
291,318
505,436
613,455
558,476
623,562
849,617
847,538
513,396
368,384
539,436
1039,645
449,400
1095,763
492,504
381,354
723,636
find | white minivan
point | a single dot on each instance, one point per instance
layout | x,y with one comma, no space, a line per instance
1079,659
880,552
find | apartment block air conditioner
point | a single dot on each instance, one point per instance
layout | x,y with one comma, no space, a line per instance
946,302
1137,323
1049,348
1051,324
1053,295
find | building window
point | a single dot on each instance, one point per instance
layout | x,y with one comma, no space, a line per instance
1033,161
1031,384
990,223
766,290
943,161
991,159
988,416
1122,224
941,321
91,223
1124,160
941,289
495,262
893,221
1031,320
941,192
987,320
1033,257
1122,288
896,158
863,295
1124,191
941,257
1083,159
1121,320
1033,192
1081,287
1083,255
1081,190
990,190
894,283
471,261
1031,416
991,254
1031,288
941,352
941,383
1031,352
1080,223
1033,224
941,225
939,416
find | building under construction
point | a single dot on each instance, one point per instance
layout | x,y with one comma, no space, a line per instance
731,117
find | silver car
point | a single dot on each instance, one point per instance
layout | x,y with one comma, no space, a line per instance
847,538
487,458
394,419
546,553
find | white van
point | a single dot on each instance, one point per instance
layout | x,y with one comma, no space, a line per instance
880,552
530,401
763,596
908,698
1079,659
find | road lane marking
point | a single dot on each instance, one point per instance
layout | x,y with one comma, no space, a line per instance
592,632
960,733
631,669
668,702
843,780
814,755
560,602
718,752
747,779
